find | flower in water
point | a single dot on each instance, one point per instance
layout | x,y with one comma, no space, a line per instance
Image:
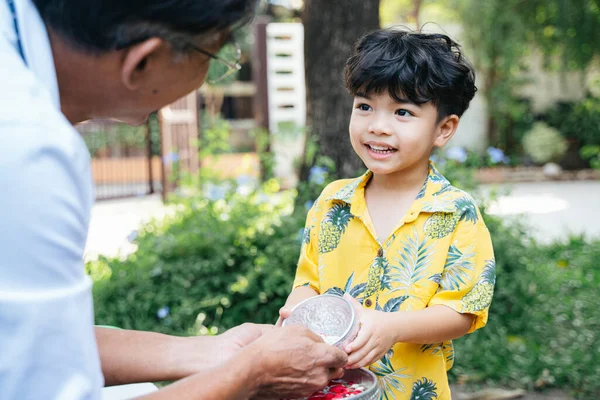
496,155
457,153
163,312
317,175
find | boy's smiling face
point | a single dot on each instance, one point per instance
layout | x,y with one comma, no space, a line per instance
391,137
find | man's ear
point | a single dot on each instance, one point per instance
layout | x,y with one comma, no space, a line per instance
445,130
136,60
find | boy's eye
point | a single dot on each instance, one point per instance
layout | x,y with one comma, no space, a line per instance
403,113
364,107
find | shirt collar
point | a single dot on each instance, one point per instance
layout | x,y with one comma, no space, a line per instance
435,196
36,47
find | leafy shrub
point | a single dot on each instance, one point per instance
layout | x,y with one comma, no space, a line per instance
579,120
210,266
544,144
544,326
591,152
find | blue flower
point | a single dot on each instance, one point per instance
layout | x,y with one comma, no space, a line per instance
244,180
171,158
496,155
132,236
317,175
457,154
163,312
300,235
215,192
308,205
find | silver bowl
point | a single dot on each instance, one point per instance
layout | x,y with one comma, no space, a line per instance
365,378
330,316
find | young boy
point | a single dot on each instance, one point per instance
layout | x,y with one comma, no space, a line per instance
400,240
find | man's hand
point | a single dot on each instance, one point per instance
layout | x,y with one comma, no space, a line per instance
373,340
219,349
294,362
232,341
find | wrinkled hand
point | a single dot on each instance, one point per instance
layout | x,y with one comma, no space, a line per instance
294,362
233,340
373,339
193,355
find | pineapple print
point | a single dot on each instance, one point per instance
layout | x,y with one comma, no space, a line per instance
440,225
378,277
424,390
333,226
480,297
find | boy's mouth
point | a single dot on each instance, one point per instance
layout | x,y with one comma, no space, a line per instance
380,148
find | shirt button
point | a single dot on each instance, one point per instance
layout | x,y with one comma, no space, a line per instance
368,303
380,252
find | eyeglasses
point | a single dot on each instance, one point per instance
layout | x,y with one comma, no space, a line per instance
231,51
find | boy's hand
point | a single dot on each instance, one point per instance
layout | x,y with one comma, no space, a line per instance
373,340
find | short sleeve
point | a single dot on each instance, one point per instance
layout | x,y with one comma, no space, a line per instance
46,313
307,273
469,275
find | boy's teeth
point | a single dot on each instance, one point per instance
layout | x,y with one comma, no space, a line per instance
381,149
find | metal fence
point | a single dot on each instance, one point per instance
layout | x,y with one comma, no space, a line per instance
126,160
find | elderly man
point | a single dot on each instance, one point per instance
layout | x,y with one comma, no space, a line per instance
67,61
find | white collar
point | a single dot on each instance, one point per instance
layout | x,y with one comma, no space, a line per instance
36,47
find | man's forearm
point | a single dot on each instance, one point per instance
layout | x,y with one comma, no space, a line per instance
430,325
133,356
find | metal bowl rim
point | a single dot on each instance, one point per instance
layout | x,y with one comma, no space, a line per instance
352,313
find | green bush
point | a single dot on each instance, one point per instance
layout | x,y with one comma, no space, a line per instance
544,144
211,265
579,120
544,326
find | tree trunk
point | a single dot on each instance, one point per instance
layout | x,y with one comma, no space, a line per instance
331,29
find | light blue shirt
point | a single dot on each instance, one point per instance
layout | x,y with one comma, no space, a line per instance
47,343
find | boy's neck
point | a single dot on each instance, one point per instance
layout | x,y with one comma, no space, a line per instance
401,181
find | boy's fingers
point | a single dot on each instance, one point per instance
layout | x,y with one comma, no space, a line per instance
358,355
284,312
361,339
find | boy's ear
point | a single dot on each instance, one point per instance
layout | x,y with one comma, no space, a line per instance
135,64
445,130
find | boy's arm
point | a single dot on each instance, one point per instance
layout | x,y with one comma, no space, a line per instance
431,325
460,306
382,330
297,295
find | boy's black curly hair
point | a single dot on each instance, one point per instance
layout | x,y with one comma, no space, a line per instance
418,67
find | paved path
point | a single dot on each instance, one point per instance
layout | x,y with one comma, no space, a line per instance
113,221
552,209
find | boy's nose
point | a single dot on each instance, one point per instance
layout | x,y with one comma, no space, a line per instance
379,126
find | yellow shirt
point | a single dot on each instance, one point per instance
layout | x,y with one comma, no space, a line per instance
440,253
